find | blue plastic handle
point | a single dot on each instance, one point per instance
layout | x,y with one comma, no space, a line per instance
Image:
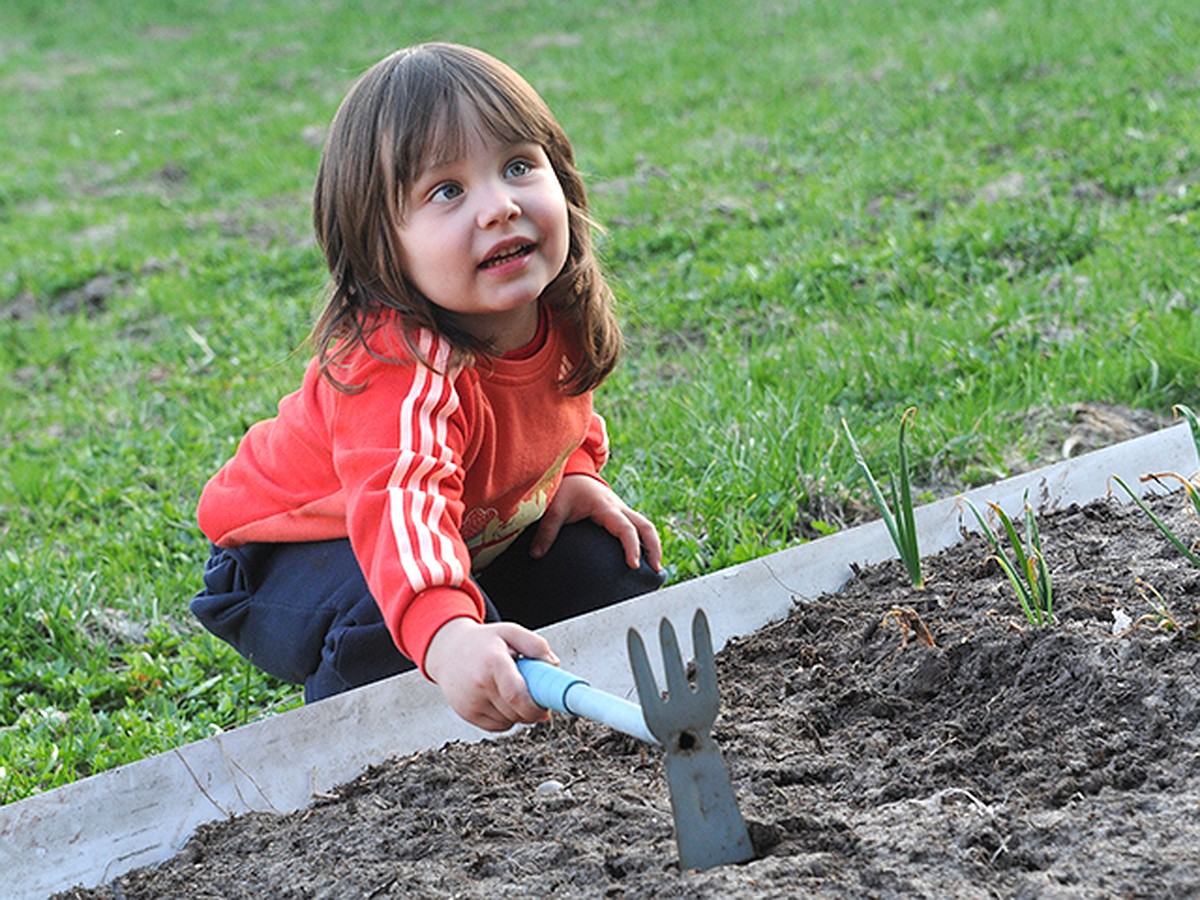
552,687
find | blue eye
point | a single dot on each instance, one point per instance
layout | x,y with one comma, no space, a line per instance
445,192
517,168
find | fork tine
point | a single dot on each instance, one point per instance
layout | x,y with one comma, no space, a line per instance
677,682
702,647
643,679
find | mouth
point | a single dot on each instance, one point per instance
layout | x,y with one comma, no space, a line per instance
507,254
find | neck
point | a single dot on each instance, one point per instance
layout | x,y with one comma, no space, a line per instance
502,332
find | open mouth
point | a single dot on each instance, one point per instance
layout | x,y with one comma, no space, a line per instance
506,256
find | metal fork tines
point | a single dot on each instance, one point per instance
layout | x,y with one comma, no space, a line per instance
709,828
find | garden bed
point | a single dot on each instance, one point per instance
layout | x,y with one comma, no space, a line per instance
1003,760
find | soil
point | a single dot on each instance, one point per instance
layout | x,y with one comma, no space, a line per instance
1003,760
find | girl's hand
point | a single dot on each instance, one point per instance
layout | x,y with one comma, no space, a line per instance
583,497
473,665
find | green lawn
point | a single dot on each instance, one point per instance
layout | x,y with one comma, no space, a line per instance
814,210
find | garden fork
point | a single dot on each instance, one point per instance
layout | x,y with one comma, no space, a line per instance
709,829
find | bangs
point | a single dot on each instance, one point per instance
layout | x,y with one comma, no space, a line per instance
461,98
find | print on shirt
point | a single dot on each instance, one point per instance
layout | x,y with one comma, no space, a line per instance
487,536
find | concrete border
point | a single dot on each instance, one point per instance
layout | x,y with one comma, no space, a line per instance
140,814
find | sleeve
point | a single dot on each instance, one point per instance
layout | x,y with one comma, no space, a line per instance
589,458
397,449
279,486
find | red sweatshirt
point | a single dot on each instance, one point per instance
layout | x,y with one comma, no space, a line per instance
430,475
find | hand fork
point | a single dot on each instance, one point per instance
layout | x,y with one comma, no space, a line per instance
709,829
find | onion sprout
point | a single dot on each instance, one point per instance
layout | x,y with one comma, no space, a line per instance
901,524
1191,487
1027,573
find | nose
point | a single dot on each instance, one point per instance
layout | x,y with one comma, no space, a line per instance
496,206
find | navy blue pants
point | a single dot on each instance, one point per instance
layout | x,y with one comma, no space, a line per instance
303,613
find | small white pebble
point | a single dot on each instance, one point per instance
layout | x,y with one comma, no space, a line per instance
1121,621
550,787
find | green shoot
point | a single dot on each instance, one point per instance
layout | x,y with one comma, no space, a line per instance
1191,487
1028,575
901,524
1193,424
1162,526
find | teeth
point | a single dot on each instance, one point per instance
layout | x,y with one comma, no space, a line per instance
504,257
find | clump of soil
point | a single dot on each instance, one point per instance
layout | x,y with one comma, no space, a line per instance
882,741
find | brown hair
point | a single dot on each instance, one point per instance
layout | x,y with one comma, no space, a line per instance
412,104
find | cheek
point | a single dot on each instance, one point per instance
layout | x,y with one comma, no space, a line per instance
421,246
418,264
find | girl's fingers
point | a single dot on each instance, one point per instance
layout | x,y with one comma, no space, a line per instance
616,522
508,704
525,643
491,721
547,531
651,544
637,535
632,542
512,697
580,497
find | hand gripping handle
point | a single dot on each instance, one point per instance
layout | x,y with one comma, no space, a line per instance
555,688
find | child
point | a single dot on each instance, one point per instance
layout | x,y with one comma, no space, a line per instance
432,490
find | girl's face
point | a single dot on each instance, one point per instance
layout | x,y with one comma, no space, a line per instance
482,236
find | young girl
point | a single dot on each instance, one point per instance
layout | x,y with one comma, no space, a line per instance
432,490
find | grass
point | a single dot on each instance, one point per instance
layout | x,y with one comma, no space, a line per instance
814,212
